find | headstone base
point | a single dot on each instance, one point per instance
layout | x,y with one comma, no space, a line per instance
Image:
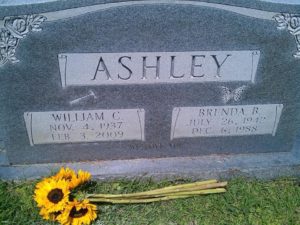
261,166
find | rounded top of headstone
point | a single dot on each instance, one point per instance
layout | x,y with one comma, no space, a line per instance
294,2
26,2
23,2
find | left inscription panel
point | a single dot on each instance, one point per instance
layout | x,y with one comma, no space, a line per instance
85,126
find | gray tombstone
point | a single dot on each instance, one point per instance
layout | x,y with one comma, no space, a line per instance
150,87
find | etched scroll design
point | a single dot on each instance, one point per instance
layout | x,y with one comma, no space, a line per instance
14,29
291,22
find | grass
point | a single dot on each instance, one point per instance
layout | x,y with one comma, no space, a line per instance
246,202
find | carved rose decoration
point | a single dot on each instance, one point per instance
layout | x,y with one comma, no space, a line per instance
295,25
288,21
291,22
20,26
16,28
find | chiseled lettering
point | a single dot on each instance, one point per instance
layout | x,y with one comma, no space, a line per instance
219,65
194,57
255,110
156,67
60,127
201,130
101,67
59,137
126,67
143,68
56,117
101,117
172,73
116,115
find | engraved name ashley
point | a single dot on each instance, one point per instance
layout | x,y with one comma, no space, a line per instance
195,69
157,67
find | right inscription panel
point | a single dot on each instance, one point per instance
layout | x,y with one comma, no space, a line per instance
238,120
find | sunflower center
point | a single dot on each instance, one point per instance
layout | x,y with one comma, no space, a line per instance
55,195
77,214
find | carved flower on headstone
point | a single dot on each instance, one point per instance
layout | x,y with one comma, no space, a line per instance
289,21
34,22
18,27
295,25
282,22
7,40
8,55
8,45
3,60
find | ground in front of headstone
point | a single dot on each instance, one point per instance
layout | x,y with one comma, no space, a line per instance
245,202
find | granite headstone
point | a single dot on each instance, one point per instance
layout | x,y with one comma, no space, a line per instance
150,87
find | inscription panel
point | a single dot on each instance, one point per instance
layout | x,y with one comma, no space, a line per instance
236,120
85,126
157,67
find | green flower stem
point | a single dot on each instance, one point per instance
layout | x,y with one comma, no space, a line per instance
164,198
161,193
181,191
170,189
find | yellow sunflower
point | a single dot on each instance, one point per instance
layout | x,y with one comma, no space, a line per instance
71,177
42,182
66,174
52,195
49,216
83,177
78,213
